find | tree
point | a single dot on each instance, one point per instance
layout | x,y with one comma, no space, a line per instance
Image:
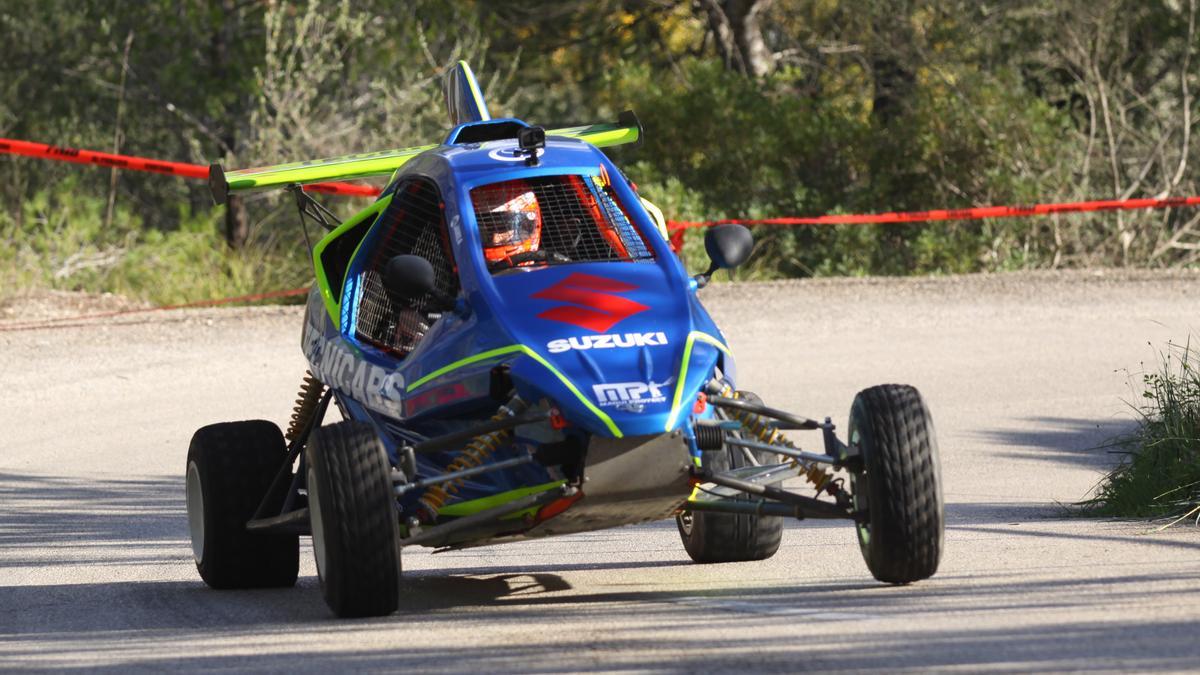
737,30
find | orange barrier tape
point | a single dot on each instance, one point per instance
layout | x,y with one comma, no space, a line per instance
196,171
74,321
43,151
677,227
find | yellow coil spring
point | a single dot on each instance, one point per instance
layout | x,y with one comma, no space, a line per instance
475,453
766,433
306,405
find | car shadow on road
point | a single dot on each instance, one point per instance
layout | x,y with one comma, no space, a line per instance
182,625
1056,534
1062,439
858,625
981,513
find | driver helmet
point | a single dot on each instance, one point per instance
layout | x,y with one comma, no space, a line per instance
509,217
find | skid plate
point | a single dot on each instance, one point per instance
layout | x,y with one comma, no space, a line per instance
629,480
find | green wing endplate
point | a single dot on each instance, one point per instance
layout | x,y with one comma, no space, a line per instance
627,129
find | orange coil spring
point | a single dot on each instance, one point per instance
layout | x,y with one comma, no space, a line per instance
764,432
306,405
478,451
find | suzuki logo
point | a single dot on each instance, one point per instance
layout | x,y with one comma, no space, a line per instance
607,342
598,308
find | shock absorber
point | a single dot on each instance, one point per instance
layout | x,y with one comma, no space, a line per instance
477,451
765,432
306,405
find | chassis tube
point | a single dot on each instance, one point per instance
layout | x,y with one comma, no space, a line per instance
449,441
440,532
763,507
285,470
465,473
790,452
813,508
789,420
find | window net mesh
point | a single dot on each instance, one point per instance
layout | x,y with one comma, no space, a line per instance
581,220
413,224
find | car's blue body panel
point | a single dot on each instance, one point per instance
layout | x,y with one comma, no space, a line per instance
623,374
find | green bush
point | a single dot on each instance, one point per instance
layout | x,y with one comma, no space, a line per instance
1160,472
62,243
720,146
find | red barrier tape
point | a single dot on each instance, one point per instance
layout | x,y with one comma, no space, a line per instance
41,150
74,321
54,152
677,227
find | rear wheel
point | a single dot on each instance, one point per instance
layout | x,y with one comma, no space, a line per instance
230,467
900,487
355,525
730,537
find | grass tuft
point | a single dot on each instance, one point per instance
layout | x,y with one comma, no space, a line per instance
1159,475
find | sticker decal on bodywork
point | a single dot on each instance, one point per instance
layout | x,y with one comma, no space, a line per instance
615,341
593,302
336,364
631,396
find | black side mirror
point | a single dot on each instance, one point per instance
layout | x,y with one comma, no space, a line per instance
728,246
410,277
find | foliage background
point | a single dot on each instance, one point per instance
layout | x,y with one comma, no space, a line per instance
753,108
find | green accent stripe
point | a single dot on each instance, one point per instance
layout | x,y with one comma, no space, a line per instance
477,505
478,95
612,427
676,401
482,356
333,301
493,353
687,356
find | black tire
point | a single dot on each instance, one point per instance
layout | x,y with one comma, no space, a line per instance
901,486
355,525
230,467
730,537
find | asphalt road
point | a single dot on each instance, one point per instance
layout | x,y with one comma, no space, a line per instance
1025,374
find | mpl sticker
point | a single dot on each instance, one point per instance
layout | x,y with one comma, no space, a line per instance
631,396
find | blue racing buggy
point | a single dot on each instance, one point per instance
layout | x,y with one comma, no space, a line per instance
516,352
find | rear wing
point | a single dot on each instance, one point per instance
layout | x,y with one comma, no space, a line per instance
627,129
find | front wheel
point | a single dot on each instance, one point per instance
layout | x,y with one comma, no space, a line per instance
900,486
730,537
355,525
230,468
